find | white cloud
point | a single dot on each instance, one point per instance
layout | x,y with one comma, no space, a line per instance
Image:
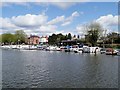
69,19
108,20
35,24
66,23
80,29
58,3
63,5
64,20
48,28
75,14
57,20
29,20
6,23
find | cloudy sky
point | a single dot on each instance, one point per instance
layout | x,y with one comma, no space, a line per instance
45,18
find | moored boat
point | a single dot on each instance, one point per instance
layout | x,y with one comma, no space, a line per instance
110,51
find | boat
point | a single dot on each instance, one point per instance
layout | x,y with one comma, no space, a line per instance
78,50
94,49
58,49
118,53
86,49
51,48
110,51
67,48
103,50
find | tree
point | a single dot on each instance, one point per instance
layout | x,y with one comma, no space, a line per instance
20,36
69,36
7,38
52,39
113,38
94,30
74,36
78,36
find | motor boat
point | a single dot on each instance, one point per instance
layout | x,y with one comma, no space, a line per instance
78,50
103,50
110,51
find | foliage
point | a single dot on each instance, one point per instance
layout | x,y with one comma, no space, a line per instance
20,36
54,39
93,33
113,38
8,38
69,36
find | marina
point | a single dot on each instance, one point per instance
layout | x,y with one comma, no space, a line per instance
59,44
77,49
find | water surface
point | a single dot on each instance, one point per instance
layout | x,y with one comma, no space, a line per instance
52,69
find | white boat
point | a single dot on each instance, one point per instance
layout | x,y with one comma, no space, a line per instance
110,51
58,49
86,49
78,50
94,49
51,48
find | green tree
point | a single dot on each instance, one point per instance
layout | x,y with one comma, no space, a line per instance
94,30
69,36
52,39
113,37
55,39
20,36
7,38
78,36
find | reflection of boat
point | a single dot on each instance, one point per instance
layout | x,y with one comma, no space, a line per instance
110,51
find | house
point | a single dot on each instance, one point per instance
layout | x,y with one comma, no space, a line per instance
43,40
33,40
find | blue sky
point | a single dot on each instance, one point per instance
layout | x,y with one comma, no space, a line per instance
48,18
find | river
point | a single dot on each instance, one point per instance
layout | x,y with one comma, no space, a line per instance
54,69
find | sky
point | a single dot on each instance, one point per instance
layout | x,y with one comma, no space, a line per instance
46,18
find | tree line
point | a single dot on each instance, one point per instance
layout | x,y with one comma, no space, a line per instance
8,38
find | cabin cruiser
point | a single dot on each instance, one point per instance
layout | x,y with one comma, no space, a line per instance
110,51
103,50
118,53
78,50
86,49
67,48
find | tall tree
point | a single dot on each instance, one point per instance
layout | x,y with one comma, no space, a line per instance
69,36
20,36
93,33
78,36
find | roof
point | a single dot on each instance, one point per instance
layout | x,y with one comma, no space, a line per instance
68,40
32,36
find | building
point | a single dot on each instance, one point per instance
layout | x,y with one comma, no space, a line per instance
43,40
33,40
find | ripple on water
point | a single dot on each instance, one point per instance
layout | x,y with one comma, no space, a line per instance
58,70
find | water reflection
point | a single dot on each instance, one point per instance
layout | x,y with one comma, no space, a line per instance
58,69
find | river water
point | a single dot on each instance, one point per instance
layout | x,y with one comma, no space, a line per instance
52,69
